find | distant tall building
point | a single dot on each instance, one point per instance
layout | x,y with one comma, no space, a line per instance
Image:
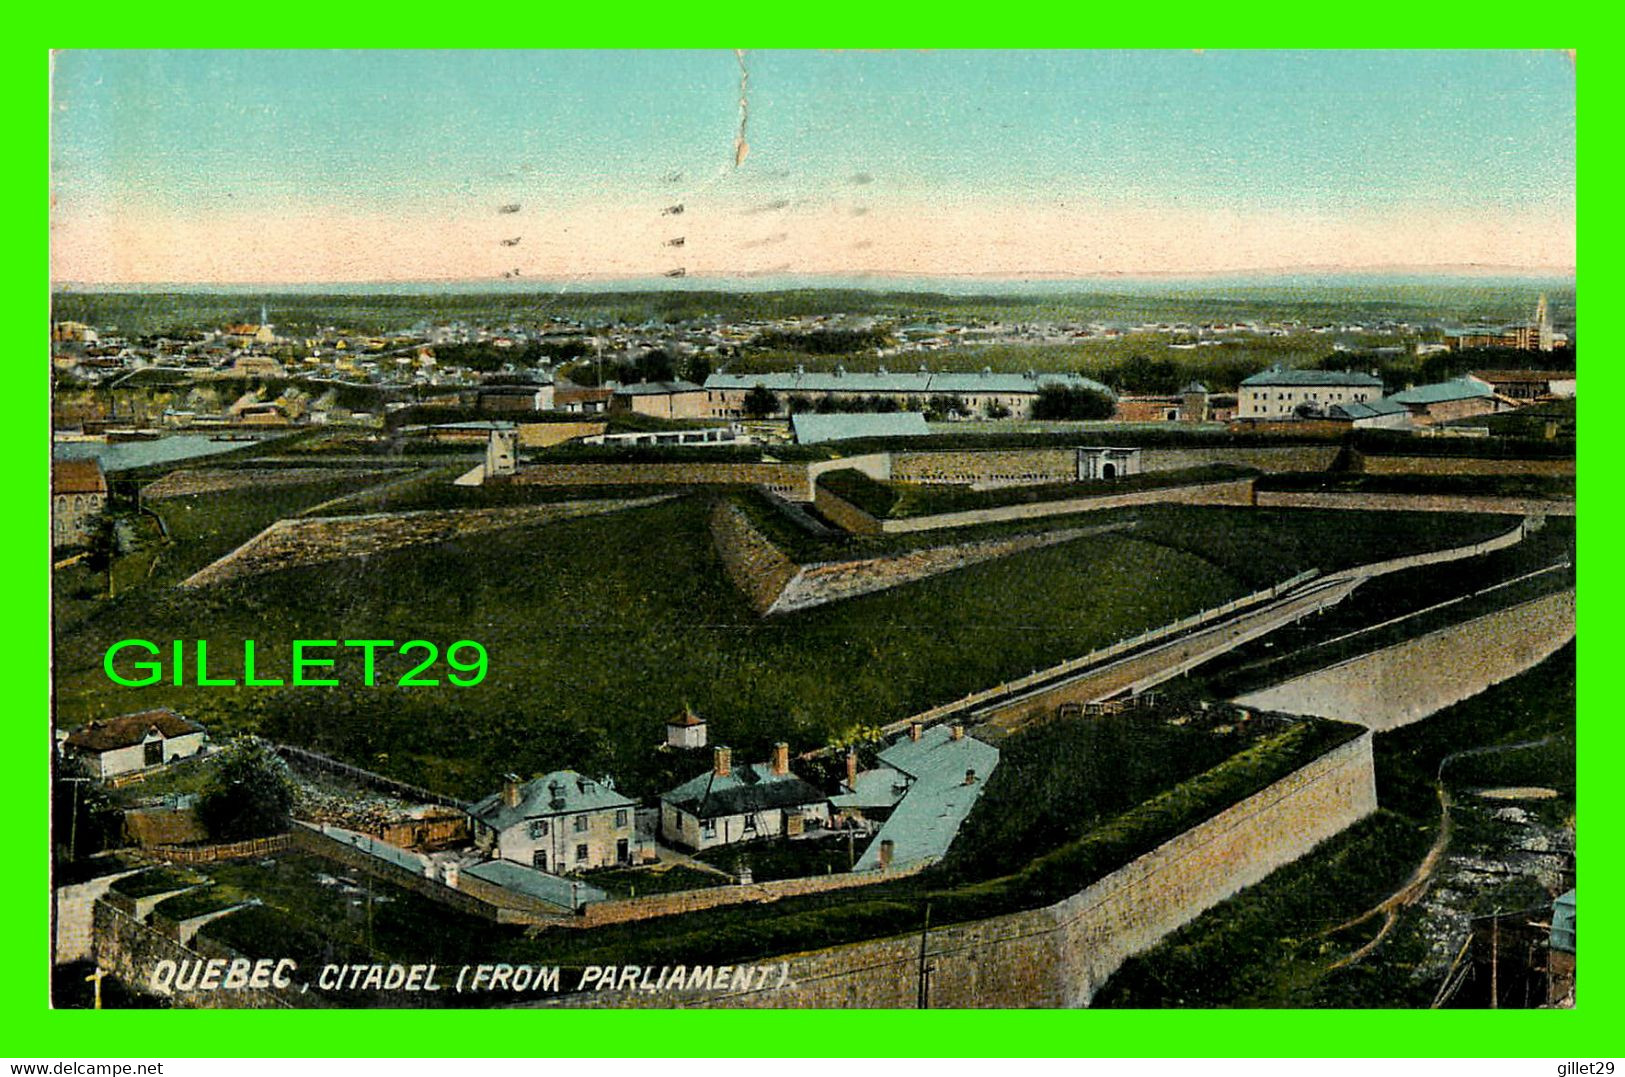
1543,324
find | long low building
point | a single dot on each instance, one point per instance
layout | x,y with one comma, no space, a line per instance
979,395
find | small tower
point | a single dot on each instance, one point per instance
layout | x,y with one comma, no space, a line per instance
1193,403
502,453
1543,324
687,730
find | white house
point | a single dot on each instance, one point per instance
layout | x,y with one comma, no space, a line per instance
560,822
134,742
687,730
1279,392
728,804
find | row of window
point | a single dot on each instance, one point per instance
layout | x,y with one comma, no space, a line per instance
539,827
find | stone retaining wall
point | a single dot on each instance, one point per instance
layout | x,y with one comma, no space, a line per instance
1379,502
1060,955
1405,683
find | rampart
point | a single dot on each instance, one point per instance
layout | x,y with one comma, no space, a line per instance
1229,492
131,949
1386,464
789,480
1408,681
1380,502
1060,955
1269,458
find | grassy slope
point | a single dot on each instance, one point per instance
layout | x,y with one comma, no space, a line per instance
600,629
1264,946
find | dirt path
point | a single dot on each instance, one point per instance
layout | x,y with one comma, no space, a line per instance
1417,885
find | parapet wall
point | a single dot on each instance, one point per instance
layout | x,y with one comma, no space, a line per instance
1264,457
1372,464
1379,502
1229,492
993,467
789,480
1407,682
1060,955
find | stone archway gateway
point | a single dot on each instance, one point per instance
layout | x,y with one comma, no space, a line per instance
1101,462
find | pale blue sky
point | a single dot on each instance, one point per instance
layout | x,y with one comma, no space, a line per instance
185,133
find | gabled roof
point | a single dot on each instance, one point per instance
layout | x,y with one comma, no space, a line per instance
812,428
1280,375
659,388
1369,410
927,819
128,730
878,788
77,477
882,381
747,788
563,792
1440,392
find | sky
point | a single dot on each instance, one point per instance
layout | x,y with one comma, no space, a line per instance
309,167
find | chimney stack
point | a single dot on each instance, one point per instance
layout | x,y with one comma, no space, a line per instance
722,760
914,730
781,759
957,732
851,768
510,790
886,847
970,776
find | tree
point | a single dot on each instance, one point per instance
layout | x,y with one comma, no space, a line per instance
760,402
1072,402
696,368
251,793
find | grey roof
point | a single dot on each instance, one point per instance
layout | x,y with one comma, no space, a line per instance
1371,410
812,428
747,788
1563,923
659,388
878,788
1194,387
537,884
1440,392
1280,375
843,381
563,792
926,820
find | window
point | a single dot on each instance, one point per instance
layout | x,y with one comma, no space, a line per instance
620,817
581,824
153,753
708,828
750,824
581,852
538,828
538,860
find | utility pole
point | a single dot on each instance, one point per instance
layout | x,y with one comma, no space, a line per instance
1495,953
96,979
923,1001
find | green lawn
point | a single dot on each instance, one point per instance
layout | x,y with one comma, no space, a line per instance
599,629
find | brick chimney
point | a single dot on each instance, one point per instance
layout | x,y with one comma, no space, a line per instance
957,732
722,760
914,730
886,847
970,776
510,790
781,759
851,768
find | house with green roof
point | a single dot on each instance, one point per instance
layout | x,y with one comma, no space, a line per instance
730,804
1280,392
560,822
